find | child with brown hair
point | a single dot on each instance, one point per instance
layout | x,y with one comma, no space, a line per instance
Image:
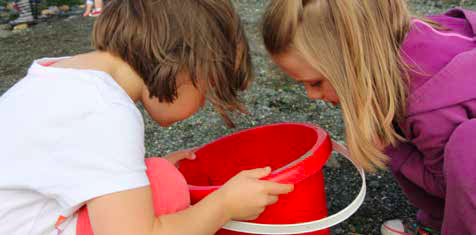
407,90
71,135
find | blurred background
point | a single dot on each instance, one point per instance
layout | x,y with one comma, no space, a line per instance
60,29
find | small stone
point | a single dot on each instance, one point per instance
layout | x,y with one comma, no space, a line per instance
20,27
54,9
46,12
50,11
71,17
333,162
64,8
373,183
339,231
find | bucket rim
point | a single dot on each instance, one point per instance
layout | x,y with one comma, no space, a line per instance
292,173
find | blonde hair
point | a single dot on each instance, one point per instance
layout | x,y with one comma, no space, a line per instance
355,44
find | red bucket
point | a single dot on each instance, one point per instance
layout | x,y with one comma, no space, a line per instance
295,151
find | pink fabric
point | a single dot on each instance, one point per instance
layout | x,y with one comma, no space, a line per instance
436,167
49,63
169,190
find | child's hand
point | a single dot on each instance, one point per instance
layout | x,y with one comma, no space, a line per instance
245,196
175,157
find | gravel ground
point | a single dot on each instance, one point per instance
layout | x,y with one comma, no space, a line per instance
271,99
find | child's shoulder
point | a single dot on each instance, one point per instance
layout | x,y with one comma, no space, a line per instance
440,61
59,94
456,24
457,20
77,85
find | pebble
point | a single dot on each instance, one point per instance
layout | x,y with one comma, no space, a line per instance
20,27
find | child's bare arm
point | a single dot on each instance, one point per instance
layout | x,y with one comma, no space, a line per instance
132,213
244,197
128,212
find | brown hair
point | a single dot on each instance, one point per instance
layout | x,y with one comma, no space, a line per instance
160,38
355,44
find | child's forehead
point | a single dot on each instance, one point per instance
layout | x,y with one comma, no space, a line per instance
296,66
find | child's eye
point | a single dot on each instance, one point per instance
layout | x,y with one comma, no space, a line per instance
316,84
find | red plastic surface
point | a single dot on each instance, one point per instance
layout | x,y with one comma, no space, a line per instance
277,146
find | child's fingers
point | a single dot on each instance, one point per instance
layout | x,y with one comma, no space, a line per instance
272,199
277,188
179,155
190,155
194,149
257,173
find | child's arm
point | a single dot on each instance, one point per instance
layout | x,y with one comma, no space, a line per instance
244,197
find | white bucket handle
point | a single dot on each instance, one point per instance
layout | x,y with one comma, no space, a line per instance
254,228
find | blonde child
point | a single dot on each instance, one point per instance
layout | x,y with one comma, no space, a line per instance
71,136
407,89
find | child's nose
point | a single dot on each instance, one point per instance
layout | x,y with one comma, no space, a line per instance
313,94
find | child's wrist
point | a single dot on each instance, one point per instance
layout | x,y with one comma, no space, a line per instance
219,199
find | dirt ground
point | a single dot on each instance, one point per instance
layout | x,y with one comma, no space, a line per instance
270,100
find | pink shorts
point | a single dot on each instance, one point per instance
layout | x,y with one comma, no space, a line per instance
164,176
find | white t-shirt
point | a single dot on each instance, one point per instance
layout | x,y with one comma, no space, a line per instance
66,136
